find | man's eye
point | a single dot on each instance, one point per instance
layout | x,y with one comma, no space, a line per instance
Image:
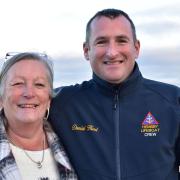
101,42
122,41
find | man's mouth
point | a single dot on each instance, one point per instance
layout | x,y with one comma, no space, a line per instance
113,62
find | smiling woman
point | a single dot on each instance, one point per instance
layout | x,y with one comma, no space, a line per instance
25,92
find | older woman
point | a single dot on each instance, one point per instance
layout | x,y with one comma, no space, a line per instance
29,149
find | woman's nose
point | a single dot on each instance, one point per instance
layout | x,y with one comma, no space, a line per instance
28,91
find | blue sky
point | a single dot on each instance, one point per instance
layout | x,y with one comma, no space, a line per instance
57,28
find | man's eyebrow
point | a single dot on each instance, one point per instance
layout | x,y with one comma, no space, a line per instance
122,37
100,37
118,37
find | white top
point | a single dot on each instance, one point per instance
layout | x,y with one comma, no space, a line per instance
29,169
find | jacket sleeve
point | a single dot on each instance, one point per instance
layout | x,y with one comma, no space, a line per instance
179,134
178,142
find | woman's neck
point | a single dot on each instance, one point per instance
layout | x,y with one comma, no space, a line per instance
32,140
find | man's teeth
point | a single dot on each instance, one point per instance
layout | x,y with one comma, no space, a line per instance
28,105
113,62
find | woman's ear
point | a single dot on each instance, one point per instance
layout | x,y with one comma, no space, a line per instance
1,103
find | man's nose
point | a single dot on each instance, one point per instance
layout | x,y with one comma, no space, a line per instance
112,50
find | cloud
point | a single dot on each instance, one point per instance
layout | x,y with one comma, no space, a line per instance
161,27
70,70
161,64
159,24
163,10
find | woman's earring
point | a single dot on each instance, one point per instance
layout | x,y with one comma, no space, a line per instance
47,114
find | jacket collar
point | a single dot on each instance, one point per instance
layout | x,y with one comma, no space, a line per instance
4,145
123,88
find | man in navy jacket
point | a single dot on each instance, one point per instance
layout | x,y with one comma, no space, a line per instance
118,125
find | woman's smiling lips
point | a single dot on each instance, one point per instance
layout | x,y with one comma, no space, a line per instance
28,105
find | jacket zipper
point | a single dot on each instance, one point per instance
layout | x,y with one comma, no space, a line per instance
116,118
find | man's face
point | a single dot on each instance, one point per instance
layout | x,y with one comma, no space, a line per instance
111,49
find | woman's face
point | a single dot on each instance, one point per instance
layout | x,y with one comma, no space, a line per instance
26,94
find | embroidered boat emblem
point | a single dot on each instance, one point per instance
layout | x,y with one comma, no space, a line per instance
150,126
149,119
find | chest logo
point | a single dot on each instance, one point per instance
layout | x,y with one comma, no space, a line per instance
150,126
88,127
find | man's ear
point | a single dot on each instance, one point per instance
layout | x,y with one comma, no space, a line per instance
86,50
137,47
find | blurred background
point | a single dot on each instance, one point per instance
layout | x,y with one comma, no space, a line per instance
57,27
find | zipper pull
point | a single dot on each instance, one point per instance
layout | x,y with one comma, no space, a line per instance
115,100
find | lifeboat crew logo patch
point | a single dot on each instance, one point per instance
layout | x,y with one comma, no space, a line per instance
150,126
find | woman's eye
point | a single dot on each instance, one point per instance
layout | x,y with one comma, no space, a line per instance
17,84
40,85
